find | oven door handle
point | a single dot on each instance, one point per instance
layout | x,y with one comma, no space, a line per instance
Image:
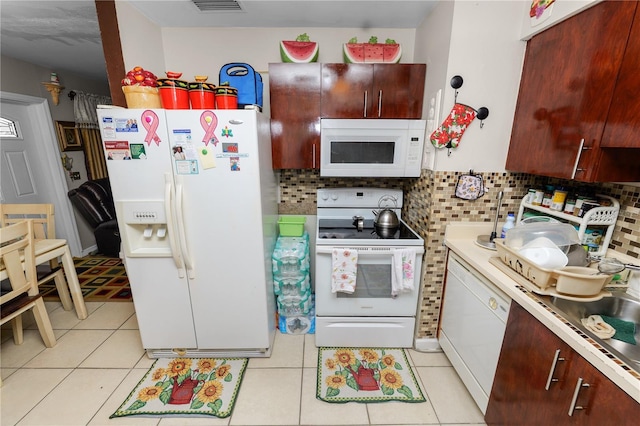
329,249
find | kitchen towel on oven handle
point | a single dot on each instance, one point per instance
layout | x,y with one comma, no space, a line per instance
344,270
402,274
470,186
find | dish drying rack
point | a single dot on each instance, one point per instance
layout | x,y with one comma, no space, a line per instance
598,216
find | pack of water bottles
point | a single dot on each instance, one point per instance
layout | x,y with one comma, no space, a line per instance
291,256
292,285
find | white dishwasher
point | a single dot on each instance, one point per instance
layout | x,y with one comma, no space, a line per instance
474,316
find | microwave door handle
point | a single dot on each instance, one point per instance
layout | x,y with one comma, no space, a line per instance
380,103
365,104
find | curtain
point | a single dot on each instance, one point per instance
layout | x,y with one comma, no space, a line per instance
93,154
84,109
86,118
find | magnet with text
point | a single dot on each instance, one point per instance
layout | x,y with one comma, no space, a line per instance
117,150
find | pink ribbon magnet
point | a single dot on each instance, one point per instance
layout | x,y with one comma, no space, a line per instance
150,123
209,122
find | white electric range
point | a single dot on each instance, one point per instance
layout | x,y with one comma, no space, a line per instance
371,315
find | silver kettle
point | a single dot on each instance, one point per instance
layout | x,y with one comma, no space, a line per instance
386,223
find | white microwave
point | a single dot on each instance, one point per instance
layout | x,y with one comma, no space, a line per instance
371,147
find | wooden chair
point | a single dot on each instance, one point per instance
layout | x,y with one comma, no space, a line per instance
20,288
42,217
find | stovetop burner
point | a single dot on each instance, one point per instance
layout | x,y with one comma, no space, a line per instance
343,229
338,208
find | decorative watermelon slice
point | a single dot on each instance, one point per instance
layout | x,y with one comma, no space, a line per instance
372,52
300,51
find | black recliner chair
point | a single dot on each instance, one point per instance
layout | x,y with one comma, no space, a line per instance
94,201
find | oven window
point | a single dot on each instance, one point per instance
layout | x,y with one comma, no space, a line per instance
372,281
354,152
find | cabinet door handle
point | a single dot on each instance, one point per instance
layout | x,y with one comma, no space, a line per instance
574,400
365,104
313,155
552,371
575,166
379,103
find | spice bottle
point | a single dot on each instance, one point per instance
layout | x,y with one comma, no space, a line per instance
559,197
537,197
548,195
569,204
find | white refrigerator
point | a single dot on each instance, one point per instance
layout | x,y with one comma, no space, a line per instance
195,197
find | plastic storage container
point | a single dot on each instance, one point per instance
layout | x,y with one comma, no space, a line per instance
291,226
561,234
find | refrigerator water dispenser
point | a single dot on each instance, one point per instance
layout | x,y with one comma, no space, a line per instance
144,228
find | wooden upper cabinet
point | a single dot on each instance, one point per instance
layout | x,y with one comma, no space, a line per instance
303,93
372,90
623,122
295,115
346,91
568,83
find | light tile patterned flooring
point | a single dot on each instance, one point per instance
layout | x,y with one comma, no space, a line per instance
98,361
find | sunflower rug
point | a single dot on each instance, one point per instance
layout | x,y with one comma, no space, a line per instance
366,375
183,387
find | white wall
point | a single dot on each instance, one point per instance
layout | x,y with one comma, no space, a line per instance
484,47
141,40
432,46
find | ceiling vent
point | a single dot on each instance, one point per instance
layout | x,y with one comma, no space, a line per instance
218,5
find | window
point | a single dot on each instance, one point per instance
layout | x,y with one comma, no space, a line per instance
8,128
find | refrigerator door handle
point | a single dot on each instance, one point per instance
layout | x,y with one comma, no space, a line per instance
171,224
183,236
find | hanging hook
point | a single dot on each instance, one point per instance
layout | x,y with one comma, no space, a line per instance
456,83
481,114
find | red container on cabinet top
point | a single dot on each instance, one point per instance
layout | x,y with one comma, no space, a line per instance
174,93
226,97
202,94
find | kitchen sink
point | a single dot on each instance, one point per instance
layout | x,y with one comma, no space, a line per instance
619,305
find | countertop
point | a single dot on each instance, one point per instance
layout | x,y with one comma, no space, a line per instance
460,238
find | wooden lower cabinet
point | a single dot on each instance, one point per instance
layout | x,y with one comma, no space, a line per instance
531,356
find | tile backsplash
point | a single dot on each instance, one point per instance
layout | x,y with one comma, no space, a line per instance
430,204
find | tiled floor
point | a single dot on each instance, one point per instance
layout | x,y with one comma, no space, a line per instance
98,361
